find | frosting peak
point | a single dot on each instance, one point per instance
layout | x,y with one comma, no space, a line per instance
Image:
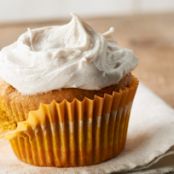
72,35
66,56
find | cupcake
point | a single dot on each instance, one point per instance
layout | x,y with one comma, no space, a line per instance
65,95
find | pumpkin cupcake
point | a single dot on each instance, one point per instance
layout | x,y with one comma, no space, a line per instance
66,93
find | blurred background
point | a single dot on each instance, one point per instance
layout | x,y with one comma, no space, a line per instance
20,10
146,26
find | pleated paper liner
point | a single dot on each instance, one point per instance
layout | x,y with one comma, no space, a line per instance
75,133
5,122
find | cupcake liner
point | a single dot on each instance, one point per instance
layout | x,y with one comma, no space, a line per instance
75,133
5,122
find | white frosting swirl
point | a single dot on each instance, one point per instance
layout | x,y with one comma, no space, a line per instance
66,56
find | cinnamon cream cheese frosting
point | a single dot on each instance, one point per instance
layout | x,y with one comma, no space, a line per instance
64,56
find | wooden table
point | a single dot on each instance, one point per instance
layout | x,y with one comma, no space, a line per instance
150,36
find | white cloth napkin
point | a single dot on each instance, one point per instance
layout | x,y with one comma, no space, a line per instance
150,136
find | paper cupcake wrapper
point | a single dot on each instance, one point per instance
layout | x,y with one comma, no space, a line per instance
75,133
5,122
11,112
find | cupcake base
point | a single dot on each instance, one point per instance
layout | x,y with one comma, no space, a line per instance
75,133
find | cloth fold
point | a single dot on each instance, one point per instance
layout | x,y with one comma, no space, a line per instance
150,138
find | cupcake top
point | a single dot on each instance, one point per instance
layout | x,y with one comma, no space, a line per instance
65,56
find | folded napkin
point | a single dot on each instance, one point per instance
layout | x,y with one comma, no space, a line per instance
150,138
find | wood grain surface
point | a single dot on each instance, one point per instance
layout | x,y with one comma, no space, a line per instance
150,36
